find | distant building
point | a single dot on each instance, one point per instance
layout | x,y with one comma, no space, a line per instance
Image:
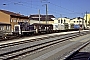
41,19
12,18
63,20
64,23
78,21
69,23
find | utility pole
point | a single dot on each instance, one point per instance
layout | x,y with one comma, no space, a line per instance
46,13
79,24
83,24
61,18
86,18
39,15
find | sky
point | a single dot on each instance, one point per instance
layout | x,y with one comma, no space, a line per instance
58,8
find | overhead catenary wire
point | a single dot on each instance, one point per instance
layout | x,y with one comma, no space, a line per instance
70,11
36,7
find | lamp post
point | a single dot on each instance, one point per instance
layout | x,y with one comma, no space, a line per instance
86,19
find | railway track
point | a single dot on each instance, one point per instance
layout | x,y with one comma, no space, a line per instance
77,55
21,49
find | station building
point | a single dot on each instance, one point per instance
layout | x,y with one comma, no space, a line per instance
42,19
63,23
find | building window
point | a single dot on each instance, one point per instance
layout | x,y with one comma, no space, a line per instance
7,27
58,21
14,20
1,27
77,21
61,21
64,21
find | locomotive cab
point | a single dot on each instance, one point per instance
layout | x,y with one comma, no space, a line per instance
17,29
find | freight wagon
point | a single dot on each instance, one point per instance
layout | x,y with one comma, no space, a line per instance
24,28
43,28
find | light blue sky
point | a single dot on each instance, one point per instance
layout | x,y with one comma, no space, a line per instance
66,8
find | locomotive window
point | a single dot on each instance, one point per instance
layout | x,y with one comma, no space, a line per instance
16,28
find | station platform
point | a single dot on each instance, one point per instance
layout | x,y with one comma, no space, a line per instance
39,36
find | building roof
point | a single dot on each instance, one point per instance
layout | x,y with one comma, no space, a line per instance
42,17
41,24
4,23
13,14
77,18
